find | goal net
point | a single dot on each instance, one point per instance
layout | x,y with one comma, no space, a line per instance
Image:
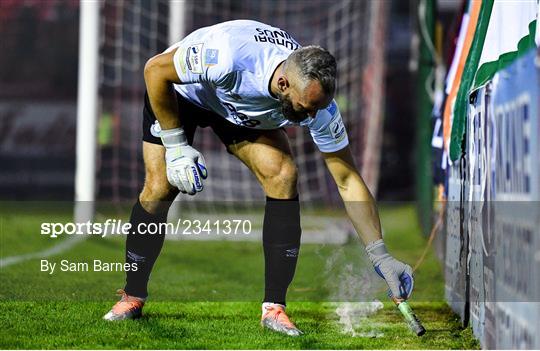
132,32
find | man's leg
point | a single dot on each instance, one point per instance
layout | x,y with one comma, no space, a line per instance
143,249
151,207
269,158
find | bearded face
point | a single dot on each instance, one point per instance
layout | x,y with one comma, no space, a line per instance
288,110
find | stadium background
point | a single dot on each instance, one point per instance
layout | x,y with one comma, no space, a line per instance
48,30
396,57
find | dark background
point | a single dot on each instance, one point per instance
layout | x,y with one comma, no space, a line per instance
39,64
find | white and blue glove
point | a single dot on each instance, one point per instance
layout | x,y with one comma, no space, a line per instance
397,275
186,167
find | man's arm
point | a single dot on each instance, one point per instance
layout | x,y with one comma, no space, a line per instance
186,167
363,213
159,76
358,201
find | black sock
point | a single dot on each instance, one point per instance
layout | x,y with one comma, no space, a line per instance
281,243
142,249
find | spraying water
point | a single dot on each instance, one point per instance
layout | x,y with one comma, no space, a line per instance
352,285
353,316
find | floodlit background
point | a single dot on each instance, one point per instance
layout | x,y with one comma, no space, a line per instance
375,43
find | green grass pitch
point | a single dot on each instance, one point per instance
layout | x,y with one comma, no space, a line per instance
206,295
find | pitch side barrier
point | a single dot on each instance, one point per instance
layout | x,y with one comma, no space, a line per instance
492,220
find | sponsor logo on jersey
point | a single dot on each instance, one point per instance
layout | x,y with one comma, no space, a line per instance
337,130
278,37
211,57
240,118
194,58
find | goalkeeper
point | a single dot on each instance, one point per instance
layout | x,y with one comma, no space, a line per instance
247,81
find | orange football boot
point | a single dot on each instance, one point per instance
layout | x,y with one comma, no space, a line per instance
129,307
274,318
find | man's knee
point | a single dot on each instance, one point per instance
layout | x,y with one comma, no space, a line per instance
279,180
157,195
288,174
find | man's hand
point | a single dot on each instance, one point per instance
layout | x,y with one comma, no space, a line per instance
398,275
186,167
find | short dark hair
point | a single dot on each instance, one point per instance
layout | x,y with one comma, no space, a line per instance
316,63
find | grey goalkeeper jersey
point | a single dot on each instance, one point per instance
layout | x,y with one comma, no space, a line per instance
227,67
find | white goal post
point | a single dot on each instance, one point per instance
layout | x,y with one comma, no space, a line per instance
88,99
87,111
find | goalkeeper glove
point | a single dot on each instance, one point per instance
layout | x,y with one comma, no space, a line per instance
397,275
186,167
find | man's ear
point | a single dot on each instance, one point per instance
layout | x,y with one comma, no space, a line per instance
283,84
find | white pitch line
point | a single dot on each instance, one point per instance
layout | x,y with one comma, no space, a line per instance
55,250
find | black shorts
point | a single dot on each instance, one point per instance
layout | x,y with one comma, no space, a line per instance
193,116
